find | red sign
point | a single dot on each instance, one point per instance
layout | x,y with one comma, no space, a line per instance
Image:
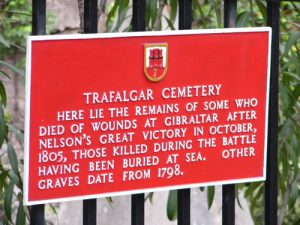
111,114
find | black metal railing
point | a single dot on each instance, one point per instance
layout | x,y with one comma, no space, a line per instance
185,22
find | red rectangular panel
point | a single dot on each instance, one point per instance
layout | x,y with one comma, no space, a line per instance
100,121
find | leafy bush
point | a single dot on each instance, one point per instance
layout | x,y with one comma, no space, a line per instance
15,19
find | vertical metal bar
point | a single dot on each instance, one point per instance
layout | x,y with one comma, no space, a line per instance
184,195
230,15
90,25
138,15
138,209
228,191
138,200
272,160
38,17
37,215
185,14
90,212
90,16
184,206
228,204
37,212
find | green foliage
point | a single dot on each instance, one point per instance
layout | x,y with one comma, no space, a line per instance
289,114
11,184
119,11
172,205
15,26
210,195
289,121
117,15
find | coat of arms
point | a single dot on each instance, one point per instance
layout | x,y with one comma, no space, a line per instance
156,61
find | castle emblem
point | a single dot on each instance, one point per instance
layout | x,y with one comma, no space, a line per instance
155,61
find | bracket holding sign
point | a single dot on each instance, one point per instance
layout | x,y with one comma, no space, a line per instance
111,114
